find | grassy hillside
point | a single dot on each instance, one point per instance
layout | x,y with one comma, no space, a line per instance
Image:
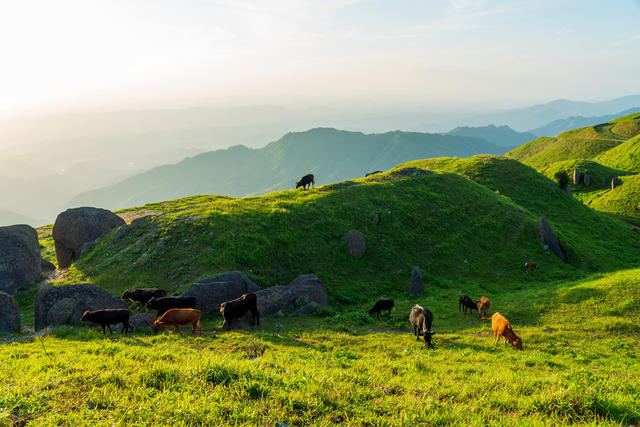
562,125
624,201
584,143
330,154
579,365
625,156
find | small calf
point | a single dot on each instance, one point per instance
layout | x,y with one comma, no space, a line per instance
382,305
238,307
108,317
179,316
530,266
483,306
466,303
164,304
306,181
421,319
502,328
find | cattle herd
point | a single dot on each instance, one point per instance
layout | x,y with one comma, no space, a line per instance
174,311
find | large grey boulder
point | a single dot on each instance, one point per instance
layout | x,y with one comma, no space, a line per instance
54,305
586,179
9,314
215,290
142,320
19,257
548,238
416,287
356,243
75,229
305,291
576,176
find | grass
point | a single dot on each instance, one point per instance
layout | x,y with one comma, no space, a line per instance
580,364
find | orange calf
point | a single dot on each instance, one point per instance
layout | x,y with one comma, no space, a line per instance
179,316
483,306
502,328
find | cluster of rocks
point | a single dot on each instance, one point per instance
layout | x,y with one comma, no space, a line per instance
579,177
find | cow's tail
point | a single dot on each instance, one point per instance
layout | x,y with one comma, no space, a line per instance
485,318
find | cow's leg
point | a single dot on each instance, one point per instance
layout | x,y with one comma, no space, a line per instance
104,331
109,326
497,338
178,328
193,328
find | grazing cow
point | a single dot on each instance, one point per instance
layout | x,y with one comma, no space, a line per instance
502,328
531,266
421,319
108,317
382,305
238,307
179,316
167,303
466,303
372,173
143,295
483,306
306,181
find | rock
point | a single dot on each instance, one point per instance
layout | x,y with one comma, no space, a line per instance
308,308
586,179
142,320
139,221
302,291
61,312
548,238
20,262
78,227
614,182
9,314
576,176
46,265
356,243
416,288
86,297
215,290
376,219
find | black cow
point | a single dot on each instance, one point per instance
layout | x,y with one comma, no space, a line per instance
167,303
372,173
238,307
306,181
382,305
421,320
108,317
466,303
143,295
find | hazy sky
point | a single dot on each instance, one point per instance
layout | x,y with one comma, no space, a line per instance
77,54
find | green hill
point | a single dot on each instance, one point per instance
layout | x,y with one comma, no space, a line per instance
625,156
562,125
584,143
623,201
332,155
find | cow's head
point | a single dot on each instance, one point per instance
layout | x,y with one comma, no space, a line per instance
157,327
517,343
152,303
85,316
427,338
221,307
126,294
298,184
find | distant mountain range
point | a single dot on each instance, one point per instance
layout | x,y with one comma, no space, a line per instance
332,155
574,122
8,217
499,135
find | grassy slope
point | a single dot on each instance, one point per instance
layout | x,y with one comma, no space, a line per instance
584,143
580,364
624,201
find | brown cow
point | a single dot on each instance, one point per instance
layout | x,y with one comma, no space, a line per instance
483,306
502,328
531,266
179,316
238,307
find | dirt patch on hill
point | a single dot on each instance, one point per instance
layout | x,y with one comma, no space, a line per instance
131,215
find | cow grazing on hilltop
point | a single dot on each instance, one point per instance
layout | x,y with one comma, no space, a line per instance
167,303
502,328
142,296
238,307
530,266
306,181
466,303
108,317
179,316
372,173
483,306
382,305
421,319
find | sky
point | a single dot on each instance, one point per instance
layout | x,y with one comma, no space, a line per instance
72,55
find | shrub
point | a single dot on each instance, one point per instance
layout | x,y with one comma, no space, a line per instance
562,178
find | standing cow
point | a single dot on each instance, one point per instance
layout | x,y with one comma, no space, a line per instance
238,307
421,319
306,181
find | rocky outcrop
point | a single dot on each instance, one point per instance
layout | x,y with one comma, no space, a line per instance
75,229
215,290
305,292
9,314
55,305
586,179
356,243
19,257
416,287
548,238
614,182
576,176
